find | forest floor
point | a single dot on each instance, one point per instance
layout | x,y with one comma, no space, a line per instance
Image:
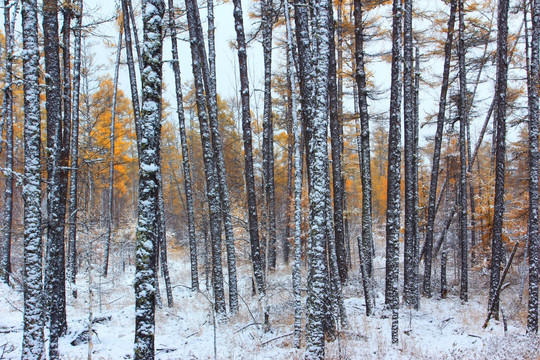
441,329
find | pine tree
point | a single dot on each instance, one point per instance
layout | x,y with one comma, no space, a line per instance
149,163
33,346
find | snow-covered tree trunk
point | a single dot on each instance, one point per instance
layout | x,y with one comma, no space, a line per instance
185,151
110,204
73,180
298,163
209,76
410,288
268,131
336,137
149,163
363,146
163,241
462,188
5,269
256,257
428,244
131,70
56,197
500,153
394,175
33,346
212,184
534,157
318,190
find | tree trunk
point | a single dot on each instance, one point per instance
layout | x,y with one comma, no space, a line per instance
149,163
111,160
73,180
462,188
437,151
185,152
363,146
248,149
500,154
268,131
5,269
534,157
394,167
212,185
33,346
56,196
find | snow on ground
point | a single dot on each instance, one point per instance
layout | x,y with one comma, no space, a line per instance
441,329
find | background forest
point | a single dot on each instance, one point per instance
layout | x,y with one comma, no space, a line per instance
366,185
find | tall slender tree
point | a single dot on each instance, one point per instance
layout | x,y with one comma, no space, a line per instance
500,154
318,190
268,131
149,163
362,138
394,176
73,180
185,151
110,204
428,244
56,170
534,157
462,188
33,346
5,269
212,184
253,222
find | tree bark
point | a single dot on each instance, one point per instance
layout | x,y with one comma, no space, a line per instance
149,163
256,257
185,152
500,154
534,157
394,167
33,346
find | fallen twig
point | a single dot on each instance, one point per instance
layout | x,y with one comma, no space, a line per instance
277,338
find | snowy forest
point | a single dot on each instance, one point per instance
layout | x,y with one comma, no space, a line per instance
267,179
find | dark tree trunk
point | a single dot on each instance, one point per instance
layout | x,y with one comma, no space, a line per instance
319,190
410,288
73,180
212,185
149,182
534,157
500,154
268,131
362,139
5,269
437,151
111,160
56,195
462,188
248,149
394,176
185,152
336,137
33,346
